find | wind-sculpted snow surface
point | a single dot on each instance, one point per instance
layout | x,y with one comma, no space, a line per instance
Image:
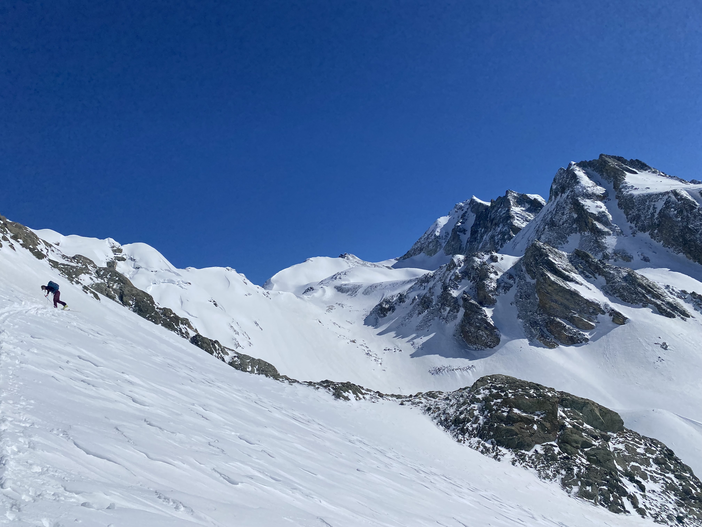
109,419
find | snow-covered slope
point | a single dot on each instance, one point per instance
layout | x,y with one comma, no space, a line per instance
597,293
108,419
319,319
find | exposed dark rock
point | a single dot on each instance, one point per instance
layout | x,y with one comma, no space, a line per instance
552,310
476,329
575,211
497,224
448,237
248,364
119,288
11,231
238,361
475,226
344,390
672,218
213,347
555,312
573,440
445,296
627,285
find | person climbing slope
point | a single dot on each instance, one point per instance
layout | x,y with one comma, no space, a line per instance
52,287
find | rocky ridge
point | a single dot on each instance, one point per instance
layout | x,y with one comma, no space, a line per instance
453,299
475,226
671,217
572,256
106,281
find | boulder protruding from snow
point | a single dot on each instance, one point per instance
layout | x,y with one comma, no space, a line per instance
575,441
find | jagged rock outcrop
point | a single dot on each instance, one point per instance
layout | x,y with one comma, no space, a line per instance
671,216
455,296
455,227
550,299
552,294
627,285
574,441
476,328
238,361
12,232
497,224
575,214
585,195
475,226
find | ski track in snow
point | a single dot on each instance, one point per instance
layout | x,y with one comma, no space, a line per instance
108,420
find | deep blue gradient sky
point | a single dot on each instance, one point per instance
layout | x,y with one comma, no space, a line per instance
258,133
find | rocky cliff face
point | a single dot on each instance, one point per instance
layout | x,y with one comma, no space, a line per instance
665,207
559,298
577,442
574,257
475,226
455,298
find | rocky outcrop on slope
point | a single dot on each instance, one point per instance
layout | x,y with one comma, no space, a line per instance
627,285
577,442
550,299
476,328
475,226
672,217
455,296
110,283
575,214
11,232
558,301
238,361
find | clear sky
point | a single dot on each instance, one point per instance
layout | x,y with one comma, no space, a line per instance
257,133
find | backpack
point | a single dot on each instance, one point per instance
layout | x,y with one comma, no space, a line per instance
52,286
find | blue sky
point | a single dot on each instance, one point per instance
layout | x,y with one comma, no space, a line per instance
256,134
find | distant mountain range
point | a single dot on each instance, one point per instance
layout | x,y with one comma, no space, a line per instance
557,334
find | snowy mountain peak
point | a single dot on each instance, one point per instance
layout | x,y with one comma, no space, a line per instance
473,226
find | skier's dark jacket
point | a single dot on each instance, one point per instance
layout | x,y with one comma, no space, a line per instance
52,287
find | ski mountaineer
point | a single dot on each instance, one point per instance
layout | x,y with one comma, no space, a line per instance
52,287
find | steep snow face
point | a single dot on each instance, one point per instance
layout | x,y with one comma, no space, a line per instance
108,419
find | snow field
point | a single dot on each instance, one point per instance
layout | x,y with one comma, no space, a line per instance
110,420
